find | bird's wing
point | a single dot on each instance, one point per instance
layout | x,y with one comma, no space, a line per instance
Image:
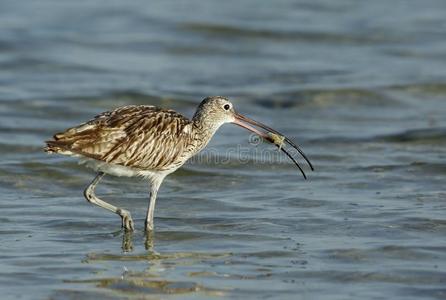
138,136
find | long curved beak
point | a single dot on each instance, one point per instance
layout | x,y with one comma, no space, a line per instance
246,123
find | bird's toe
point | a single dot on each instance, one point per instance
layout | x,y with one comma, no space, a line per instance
127,221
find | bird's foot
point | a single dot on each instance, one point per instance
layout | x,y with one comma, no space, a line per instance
127,221
149,226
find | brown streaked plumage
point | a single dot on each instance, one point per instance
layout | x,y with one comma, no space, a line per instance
131,136
143,140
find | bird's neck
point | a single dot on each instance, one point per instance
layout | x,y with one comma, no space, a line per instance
203,130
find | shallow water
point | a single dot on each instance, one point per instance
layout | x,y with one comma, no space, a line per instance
360,86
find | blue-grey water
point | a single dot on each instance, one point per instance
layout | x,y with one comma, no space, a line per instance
361,85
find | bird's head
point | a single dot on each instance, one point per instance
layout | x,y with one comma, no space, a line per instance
216,111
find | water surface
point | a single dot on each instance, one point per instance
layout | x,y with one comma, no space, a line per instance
361,86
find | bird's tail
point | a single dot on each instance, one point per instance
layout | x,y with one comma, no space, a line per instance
56,147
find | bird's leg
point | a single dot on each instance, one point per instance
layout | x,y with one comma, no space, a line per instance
150,212
89,194
154,187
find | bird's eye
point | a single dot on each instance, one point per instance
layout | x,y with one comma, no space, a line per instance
227,107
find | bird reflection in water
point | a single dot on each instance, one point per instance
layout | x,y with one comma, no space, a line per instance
127,240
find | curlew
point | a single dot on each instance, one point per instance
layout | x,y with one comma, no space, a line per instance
150,142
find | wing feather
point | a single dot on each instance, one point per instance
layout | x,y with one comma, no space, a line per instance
138,136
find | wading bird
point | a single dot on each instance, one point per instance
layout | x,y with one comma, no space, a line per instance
150,142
